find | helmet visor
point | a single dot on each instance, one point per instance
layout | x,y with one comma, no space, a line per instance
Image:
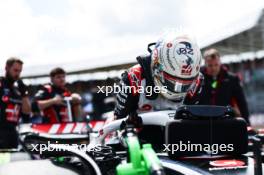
175,84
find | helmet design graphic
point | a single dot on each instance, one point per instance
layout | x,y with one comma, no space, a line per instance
175,65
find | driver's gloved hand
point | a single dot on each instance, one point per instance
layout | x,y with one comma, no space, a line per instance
136,121
193,94
132,121
23,89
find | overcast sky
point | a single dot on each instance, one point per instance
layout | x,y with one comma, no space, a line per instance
60,31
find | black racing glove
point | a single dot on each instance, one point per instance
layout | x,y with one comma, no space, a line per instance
193,94
23,89
133,120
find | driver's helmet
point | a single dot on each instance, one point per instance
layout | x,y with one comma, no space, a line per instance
175,65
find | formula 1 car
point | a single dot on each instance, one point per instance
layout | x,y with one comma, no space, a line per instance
192,140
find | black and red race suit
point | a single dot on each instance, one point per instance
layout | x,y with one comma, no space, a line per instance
54,113
140,76
10,112
224,90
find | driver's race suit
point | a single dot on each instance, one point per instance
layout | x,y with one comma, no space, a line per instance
54,113
139,76
10,112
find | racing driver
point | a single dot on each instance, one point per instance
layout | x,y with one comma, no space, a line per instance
170,76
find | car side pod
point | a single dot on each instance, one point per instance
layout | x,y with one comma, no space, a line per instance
141,161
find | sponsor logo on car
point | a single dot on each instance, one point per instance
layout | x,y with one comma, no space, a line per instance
227,163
